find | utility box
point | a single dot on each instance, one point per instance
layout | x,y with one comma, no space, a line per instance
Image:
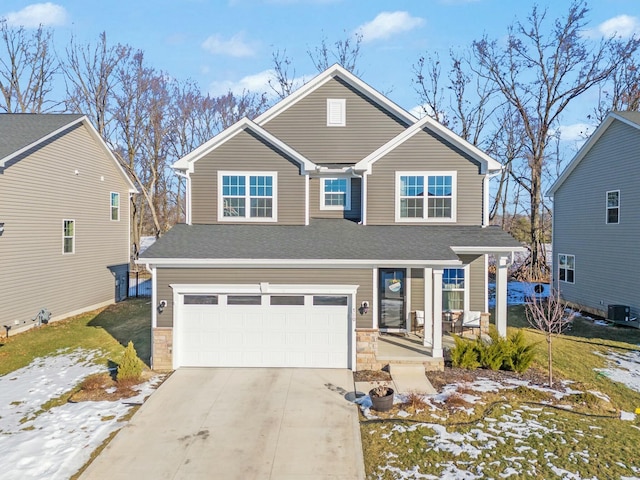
619,313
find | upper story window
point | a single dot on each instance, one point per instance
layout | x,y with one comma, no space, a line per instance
336,112
566,268
453,289
613,206
439,188
68,236
115,206
335,194
247,196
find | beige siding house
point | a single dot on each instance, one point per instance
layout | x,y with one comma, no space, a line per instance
331,221
596,222
64,219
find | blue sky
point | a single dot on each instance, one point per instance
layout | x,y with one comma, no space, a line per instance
228,44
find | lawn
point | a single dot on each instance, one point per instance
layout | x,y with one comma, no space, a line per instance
108,330
480,428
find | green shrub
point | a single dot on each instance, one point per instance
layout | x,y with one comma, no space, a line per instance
464,354
521,355
130,369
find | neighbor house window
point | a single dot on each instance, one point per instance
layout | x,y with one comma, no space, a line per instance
115,206
613,206
335,194
453,289
566,268
68,236
336,112
247,196
426,196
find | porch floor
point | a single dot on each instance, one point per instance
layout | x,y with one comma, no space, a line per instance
409,348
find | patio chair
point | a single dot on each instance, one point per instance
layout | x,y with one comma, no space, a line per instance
470,321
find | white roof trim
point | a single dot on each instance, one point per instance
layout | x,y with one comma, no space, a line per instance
288,263
262,288
335,70
488,163
595,136
186,162
94,133
487,250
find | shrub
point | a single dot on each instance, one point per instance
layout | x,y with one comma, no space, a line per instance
464,354
492,354
521,355
130,369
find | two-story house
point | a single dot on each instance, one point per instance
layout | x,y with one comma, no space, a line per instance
328,219
596,221
64,220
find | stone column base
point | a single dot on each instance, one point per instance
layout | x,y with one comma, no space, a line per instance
484,323
162,349
366,349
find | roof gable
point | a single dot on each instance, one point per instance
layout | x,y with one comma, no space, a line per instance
631,119
488,163
187,162
332,72
21,132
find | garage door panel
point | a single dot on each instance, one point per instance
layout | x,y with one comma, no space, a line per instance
263,336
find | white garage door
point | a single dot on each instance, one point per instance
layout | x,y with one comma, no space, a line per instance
263,331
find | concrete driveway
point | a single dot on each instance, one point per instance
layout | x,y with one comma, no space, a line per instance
244,423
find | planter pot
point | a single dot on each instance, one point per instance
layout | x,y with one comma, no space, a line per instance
382,404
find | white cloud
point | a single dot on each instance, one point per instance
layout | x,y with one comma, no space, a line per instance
387,24
32,16
256,83
577,132
234,47
623,26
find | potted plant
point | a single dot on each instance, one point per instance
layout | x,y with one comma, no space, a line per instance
381,398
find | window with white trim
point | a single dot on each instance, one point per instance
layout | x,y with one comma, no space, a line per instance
439,189
566,268
336,112
115,206
247,196
68,236
453,289
335,194
613,206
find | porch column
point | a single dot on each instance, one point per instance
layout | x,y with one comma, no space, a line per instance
501,293
427,341
436,350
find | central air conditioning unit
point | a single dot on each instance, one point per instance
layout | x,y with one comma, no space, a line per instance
619,313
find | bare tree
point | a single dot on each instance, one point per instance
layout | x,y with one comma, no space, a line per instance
539,73
284,81
345,51
28,66
550,316
622,91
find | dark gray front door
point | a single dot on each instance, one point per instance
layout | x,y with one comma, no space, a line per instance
391,295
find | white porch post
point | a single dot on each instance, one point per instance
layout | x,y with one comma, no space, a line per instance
436,350
501,293
427,341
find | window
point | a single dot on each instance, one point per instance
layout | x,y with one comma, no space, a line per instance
453,289
336,112
440,189
115,206
330,300
335,194
68,236
288,300
613,206
566,268
247,196
200,299
244,300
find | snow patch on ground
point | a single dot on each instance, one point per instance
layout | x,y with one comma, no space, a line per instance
55,444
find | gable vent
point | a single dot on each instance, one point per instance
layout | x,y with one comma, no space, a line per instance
336,112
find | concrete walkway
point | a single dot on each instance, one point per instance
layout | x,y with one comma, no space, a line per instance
222,423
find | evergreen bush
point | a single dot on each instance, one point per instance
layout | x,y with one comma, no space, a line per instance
130,369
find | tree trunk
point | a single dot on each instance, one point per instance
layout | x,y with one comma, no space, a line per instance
550,361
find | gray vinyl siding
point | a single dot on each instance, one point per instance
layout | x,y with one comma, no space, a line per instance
315,201
417,290
477,282
607,256
38,191
246,152
303,126
424,152
288,276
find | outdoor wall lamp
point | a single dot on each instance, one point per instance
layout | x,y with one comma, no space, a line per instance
162,305
1,228
364,308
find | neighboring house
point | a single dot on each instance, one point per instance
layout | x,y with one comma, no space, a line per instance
596,219
332,217
64,219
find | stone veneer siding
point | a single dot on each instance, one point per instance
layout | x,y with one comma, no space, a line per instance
162,349
367,349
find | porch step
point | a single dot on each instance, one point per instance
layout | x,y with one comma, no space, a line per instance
410,378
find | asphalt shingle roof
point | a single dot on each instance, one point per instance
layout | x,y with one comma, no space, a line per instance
17,130
324,239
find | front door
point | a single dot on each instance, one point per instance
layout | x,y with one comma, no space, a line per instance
391,294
